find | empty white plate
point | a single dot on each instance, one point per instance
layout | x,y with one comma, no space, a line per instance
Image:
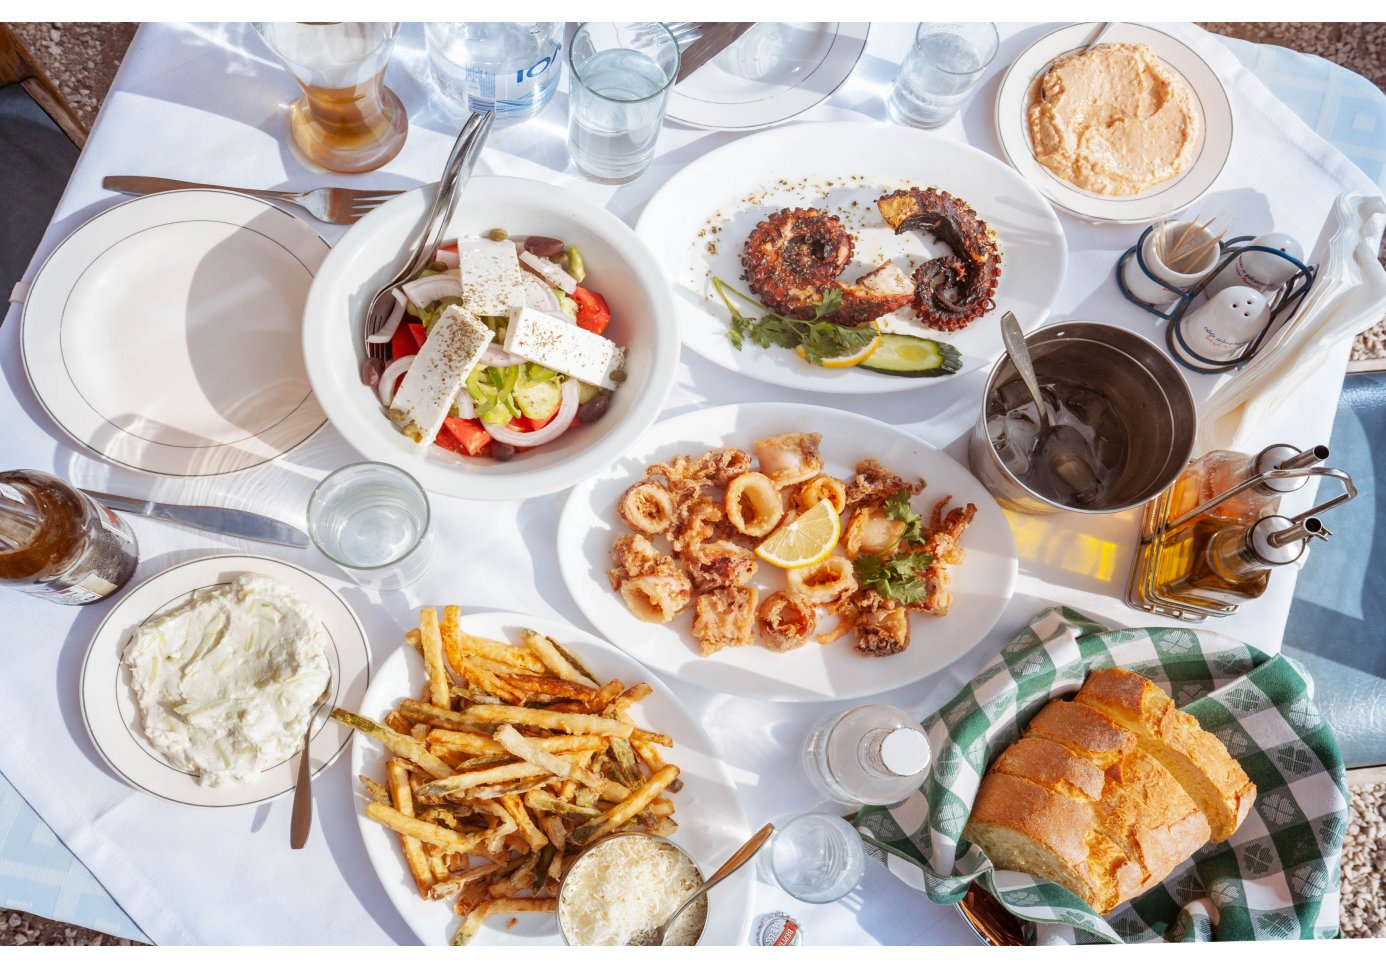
113,719
164,333
771,72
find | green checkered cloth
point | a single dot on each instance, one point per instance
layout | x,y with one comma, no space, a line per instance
1276,877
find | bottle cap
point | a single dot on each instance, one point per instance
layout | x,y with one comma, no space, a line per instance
905,751
778,930
1278,456
1276,540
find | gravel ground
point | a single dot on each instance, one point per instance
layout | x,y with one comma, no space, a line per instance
81,59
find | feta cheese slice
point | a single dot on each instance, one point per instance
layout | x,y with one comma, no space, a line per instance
555,342
491,281
454,345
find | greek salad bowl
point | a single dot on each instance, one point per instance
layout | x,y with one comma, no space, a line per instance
535,349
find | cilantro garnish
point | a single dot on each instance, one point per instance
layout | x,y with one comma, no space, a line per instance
897,508
896,577
820,339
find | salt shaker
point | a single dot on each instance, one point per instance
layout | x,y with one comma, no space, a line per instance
1218,329
1259,270
872,754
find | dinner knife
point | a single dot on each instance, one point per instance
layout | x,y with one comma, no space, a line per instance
238,524
715,38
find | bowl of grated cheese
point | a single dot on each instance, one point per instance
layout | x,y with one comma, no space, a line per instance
627,885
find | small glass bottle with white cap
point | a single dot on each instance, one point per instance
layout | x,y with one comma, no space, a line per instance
872,754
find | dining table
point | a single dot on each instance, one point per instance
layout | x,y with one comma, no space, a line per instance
207,103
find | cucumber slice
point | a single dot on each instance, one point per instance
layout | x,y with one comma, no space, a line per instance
539,401
587,391
913,356
535,373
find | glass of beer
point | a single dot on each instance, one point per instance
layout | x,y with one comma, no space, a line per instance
347,119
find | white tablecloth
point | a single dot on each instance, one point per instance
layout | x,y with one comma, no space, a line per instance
206,103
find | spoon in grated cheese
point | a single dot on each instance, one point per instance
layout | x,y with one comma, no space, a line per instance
657,936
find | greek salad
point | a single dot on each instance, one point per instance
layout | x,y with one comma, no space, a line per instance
495,347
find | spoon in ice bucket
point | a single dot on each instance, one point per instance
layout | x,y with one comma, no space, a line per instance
302,821
655,936
1063,452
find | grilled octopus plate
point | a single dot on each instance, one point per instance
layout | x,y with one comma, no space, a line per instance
933,237
980,584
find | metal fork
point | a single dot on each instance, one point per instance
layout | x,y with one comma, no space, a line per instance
455,174
340,206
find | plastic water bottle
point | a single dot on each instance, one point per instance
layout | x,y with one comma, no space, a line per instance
509,68
873,754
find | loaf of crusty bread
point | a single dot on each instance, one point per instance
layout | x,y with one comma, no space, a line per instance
1100,806
1197,758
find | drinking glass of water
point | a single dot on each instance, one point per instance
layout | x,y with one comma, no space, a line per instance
372,519
620,80
816,857
940,71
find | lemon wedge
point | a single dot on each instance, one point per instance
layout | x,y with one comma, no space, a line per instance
806,540
851,359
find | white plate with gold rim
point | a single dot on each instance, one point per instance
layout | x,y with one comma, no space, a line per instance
711,822
1173,195
981,585
112,716
163,333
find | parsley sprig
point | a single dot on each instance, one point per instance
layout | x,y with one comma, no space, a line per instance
897,508
896,576
820,339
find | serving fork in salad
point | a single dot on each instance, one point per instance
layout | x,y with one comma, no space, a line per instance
456,172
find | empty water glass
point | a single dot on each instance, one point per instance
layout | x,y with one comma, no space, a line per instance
816,857
372,520
940,71
619,88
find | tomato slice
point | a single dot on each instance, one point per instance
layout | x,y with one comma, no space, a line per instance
593,313
418,334
463,436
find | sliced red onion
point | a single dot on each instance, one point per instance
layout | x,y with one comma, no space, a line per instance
393,372
561,421
448,257
465,408
549,272
428,290
539,294
387,332
495,356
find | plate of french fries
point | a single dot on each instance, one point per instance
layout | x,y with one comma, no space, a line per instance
493,748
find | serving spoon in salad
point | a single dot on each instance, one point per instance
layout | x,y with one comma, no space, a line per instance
456,172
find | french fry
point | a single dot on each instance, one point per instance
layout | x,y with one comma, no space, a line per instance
522,659
506,905
422,712
521,878
515,806
397,743
447,888
509,737
413,638
374,790
506,789
605,696
472,895
571,723
650,756
626,809
489,682
541,802
451,634
633,695
548,652
551,686
401,795
429,833
458,782
433,657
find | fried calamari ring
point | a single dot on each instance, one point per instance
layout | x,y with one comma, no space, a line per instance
658,596
789,458
647,507
871,532
785,623
824,582
819,488
753,504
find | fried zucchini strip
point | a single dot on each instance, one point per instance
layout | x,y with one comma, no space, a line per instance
397,743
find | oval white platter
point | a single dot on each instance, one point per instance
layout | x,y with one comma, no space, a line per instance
981,585
698,221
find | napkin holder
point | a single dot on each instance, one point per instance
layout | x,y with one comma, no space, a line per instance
1287,299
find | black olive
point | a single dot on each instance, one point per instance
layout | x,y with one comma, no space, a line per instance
543,246
371,371
500,451
592,410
